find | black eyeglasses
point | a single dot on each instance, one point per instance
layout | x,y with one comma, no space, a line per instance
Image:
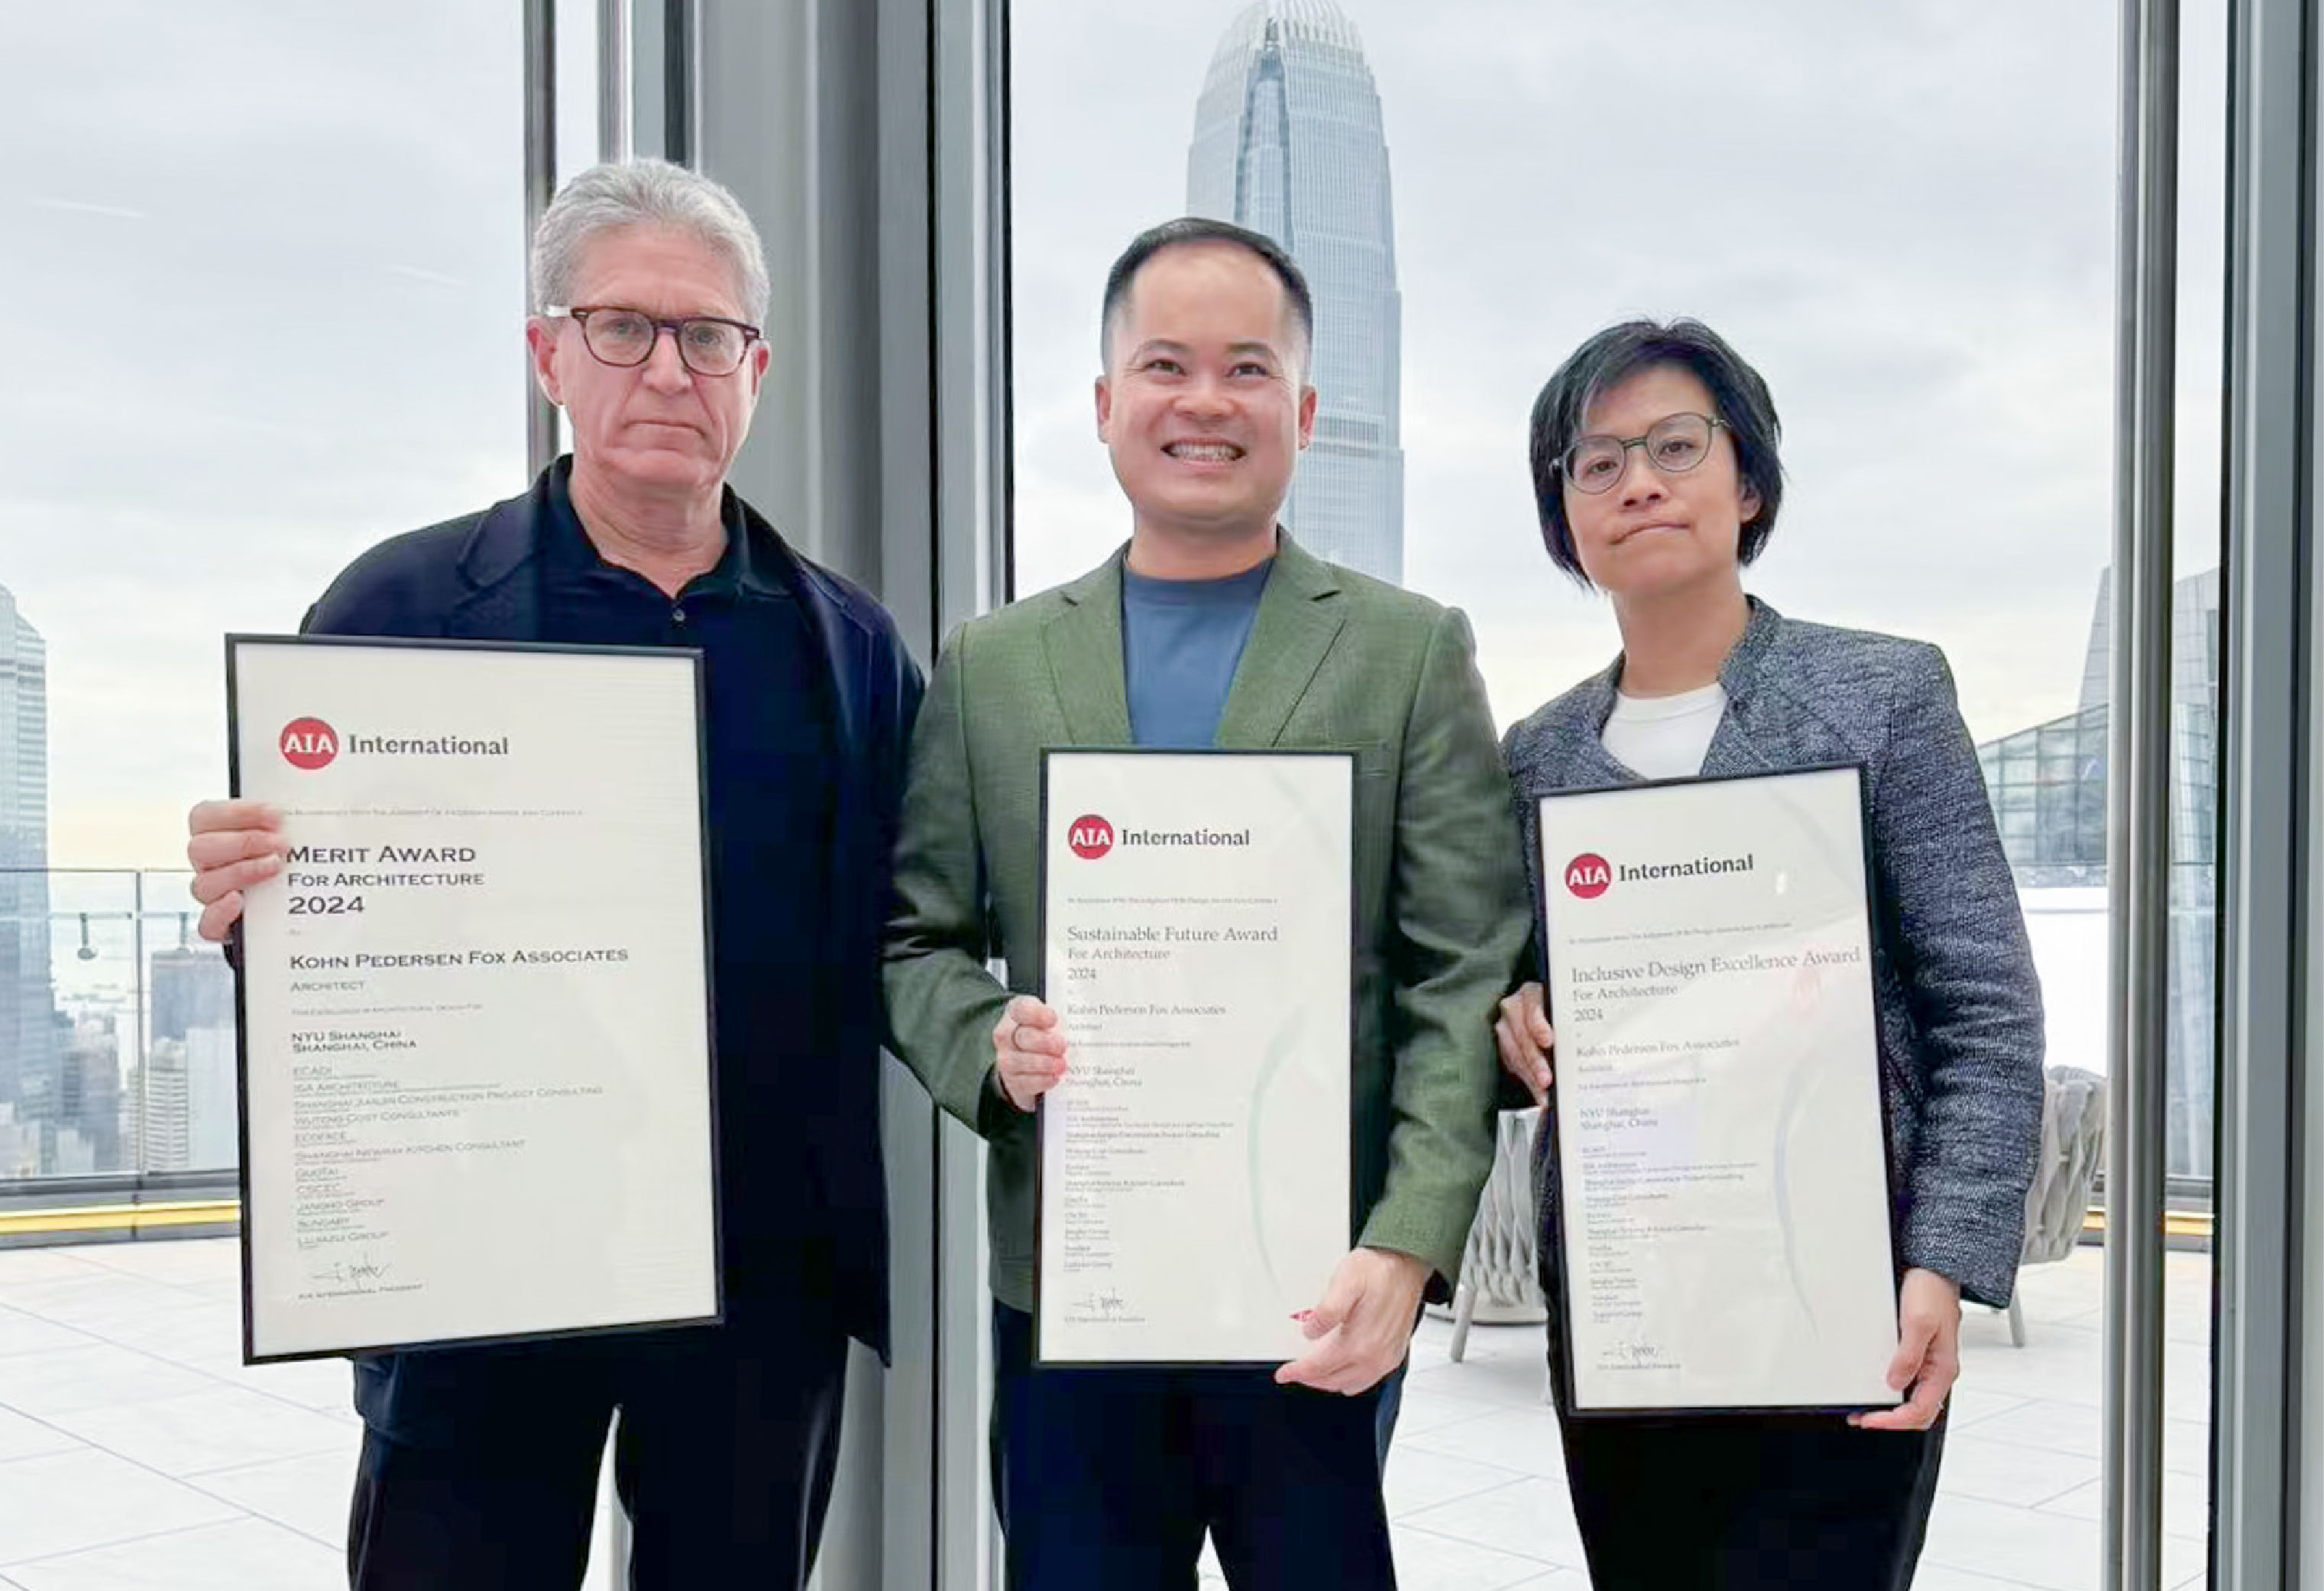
1674,444
707,344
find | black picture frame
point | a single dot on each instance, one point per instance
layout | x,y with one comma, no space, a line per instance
1348,757
1557,1266
235,642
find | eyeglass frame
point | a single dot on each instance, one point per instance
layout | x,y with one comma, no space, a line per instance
1564,468
578,314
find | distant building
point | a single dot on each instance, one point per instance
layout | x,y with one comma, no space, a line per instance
2048,786
190,991
29,1050
19,1147
189,986
89,1102
1288,142
161,1084
212,1118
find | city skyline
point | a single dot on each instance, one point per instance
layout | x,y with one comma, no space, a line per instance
143,1073
1289,140
70,1053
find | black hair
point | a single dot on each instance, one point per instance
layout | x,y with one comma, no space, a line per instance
1201,229
1613,357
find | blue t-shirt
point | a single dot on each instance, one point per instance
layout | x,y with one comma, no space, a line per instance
1180,642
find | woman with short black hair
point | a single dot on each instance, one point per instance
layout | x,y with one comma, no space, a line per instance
1656,469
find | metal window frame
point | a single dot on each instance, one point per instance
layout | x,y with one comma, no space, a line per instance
972,570
867,137
2138,832
860,136
2270,797
539,186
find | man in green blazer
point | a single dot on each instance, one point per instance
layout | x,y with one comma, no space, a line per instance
1213,628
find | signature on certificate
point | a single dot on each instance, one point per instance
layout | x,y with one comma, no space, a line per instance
1639,1355
364,1274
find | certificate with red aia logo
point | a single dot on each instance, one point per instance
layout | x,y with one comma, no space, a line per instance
1198,930
476,1043
1721,1205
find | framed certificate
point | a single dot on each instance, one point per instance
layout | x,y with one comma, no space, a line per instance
1722,1197
477,1083
1197,926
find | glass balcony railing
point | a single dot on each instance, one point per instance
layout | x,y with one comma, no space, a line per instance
117,1029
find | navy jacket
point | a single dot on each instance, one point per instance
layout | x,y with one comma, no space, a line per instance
475,578
1959,1006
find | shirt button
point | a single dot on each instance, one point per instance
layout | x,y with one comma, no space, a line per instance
677,615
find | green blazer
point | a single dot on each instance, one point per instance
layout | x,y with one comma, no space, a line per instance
1335,659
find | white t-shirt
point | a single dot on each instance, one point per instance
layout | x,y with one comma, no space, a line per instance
1665,736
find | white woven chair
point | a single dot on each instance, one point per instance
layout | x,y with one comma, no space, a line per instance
1498,1283
2073,1147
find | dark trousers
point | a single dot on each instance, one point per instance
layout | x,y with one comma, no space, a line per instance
724,1461
1106,1480
1675,1504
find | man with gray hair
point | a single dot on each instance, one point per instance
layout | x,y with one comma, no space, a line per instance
479,1464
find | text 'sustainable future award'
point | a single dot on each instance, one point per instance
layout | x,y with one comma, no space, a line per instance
1722,1162
476,1042
1198,946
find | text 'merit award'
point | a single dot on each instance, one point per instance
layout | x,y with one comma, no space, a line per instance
476,1052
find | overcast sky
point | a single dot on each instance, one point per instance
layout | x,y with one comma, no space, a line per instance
263,296
263,301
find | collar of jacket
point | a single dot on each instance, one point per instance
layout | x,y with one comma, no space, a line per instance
506,542
507,538
1731,747
1739,676
1297,623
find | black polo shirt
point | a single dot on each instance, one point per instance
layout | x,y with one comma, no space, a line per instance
772,770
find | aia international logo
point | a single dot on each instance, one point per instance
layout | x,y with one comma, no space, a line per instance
309,743
1588,875
1091,837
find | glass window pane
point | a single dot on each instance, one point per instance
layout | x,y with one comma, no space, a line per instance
1905,218
265,299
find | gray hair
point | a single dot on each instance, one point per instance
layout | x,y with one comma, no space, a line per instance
644,193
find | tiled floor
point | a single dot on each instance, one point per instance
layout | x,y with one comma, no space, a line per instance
137,1452
1478,1496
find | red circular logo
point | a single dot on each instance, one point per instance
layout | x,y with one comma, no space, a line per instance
309,743
1091,837
1588,875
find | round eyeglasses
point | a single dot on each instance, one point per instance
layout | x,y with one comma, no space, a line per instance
707,344
1674,444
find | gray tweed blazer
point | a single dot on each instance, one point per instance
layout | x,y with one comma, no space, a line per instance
1960,1007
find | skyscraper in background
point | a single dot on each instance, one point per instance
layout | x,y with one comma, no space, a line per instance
30,1042
189,1103
189,986
2048,786
1288,142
